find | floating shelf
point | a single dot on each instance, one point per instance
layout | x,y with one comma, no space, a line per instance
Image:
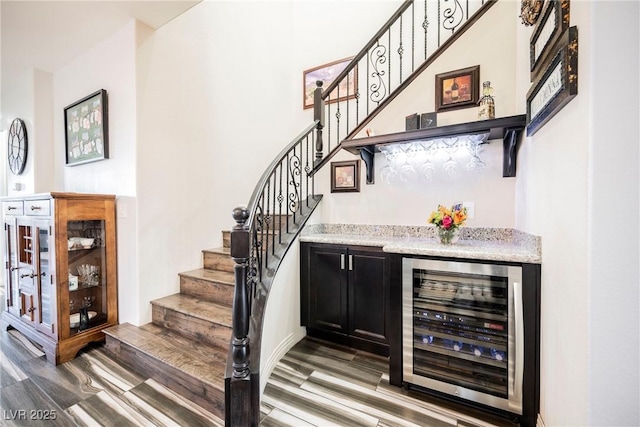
506,128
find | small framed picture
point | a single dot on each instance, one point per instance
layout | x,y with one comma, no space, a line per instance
458,89
327,73
86,129
345,176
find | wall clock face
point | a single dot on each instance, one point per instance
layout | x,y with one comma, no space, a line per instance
530,10
17,147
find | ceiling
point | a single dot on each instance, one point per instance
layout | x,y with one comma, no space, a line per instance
49,34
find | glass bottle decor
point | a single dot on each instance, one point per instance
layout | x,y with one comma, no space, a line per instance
487,109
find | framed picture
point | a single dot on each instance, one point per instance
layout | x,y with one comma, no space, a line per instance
327,74
556,86
553,23
345,176
86,129
458,89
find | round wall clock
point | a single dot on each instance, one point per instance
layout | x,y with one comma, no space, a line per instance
17,147
530,10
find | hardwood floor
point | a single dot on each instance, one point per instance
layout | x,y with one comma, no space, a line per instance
315,384
90,390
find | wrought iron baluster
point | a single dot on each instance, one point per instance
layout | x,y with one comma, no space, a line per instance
425,26
280,199
413,37
338,115
400,51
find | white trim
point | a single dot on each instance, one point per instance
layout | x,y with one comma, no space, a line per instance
282,349
539,421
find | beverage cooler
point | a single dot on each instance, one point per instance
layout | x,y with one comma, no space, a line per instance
463,330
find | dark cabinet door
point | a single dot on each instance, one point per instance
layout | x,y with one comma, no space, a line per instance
368,294
343,294
327,288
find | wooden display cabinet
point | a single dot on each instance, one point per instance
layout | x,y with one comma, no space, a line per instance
60,261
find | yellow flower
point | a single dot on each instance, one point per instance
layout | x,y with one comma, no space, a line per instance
459,217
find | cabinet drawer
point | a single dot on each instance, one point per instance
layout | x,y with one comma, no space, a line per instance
13,208
37,207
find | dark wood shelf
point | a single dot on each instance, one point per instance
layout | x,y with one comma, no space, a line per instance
506,128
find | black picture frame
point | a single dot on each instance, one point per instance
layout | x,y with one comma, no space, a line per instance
468,92
345,176
553,23
86,129
556,86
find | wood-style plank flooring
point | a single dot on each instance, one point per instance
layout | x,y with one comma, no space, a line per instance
315,384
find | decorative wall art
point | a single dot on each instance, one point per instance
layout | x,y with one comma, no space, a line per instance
87,129
553,23
530,10
458,89
557,85
345,176
327,74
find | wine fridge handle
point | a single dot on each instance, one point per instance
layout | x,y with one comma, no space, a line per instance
519,323
341,261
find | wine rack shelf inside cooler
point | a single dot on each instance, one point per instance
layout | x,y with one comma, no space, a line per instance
460,329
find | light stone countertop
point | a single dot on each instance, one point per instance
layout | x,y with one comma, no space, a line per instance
491,244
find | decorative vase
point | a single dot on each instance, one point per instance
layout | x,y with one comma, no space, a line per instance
448,236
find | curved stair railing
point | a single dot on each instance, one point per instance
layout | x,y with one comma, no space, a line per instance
415,35
280,205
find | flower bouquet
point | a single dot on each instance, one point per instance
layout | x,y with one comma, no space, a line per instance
448,221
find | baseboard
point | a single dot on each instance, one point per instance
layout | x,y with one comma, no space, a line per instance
539,421
282,349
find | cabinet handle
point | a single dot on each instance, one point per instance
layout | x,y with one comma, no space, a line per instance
35,208
341,261
350,262
32,275
11,208
14,268
31,309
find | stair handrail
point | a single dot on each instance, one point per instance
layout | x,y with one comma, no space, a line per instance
457,27
257,248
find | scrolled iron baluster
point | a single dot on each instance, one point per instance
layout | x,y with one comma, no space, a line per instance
453,15
295,170
378,89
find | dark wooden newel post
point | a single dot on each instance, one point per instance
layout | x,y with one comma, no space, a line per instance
239,402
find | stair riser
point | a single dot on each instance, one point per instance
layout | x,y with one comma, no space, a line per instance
220,293
216,261
189,387
226,234
192,327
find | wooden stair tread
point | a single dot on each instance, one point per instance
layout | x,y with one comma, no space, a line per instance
196,307
197,359
211,275
220,250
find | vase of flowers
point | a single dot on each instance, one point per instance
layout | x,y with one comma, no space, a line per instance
448,222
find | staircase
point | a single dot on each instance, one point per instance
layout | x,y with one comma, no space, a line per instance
185,346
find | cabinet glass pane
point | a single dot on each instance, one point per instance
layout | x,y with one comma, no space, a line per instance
87,274
11,256
45,277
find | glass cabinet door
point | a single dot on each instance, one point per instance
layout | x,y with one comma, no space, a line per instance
28,298
87,275
11,277
44,282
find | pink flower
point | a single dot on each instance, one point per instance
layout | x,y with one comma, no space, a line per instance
447,221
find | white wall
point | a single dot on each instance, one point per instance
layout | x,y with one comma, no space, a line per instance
493,48
574,174
109,65
614,182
